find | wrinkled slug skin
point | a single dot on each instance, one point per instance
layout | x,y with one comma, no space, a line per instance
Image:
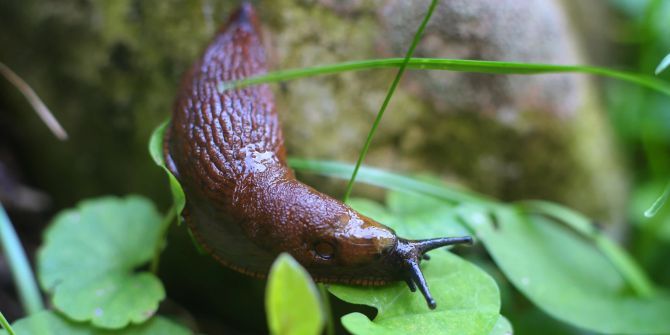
244,204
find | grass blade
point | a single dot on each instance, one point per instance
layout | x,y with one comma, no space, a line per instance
455,65
385,104
658,204
387,180
663,65
40,108
5,325
18,263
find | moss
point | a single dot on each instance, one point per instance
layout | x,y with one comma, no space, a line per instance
109,70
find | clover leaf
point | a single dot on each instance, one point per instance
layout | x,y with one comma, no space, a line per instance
50,323
90,258
468,302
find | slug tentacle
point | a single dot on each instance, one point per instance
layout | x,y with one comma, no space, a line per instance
408,253
243,203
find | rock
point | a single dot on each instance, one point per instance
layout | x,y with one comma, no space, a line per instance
514,137
109,71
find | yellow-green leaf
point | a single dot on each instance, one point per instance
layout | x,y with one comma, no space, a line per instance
292,301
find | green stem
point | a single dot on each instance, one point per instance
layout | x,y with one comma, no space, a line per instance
330,324
455,65
385,104
162,237
5,325
25,281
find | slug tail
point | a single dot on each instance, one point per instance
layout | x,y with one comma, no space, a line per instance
244,17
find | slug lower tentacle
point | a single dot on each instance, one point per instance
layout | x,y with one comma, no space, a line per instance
244,204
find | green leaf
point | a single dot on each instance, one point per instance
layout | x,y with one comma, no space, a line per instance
502,327
89,260
156,152
565,275
50,323
292,300
624,264
570,270
468,301
663,65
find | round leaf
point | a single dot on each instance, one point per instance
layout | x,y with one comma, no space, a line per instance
89,259
50,323
468,302
292,300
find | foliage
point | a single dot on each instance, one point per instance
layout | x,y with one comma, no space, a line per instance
567,276
292,300
50,323
554,256
156,153
89,258
468,301
566,268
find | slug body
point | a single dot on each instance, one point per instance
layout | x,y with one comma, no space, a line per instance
244,204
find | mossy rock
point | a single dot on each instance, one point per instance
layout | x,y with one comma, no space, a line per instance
109,71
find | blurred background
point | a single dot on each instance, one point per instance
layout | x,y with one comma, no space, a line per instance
109,71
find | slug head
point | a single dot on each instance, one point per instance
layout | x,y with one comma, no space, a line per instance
368,253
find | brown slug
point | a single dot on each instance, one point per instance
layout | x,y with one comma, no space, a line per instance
243,203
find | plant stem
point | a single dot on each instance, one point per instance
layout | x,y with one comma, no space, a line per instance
5,325
385,104
40,108
24,278
162,237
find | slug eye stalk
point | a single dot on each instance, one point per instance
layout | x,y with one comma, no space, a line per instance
410,252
